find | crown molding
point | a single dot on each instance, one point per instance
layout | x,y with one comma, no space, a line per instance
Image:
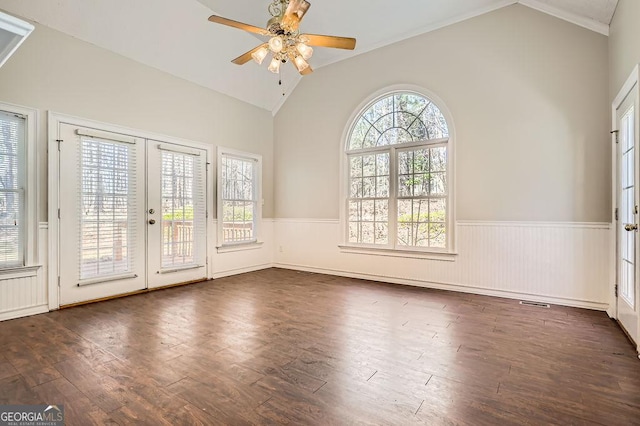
581,21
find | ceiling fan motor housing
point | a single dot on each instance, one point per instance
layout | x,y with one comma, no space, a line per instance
274,25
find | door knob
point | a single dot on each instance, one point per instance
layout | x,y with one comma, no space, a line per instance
631,227
152,221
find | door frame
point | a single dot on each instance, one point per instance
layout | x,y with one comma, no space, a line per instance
631,84
54,119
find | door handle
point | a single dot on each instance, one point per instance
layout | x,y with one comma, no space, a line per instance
631,227
152,221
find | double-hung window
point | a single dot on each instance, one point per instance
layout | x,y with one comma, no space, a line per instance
239,197
398,190
17,141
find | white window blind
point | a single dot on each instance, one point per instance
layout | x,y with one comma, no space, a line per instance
107,203
12,184
239,198
183,208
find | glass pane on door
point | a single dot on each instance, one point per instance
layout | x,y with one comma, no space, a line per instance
627,208
182,208
107,207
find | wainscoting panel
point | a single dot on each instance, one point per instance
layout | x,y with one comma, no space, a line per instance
23,292
561,263
232,262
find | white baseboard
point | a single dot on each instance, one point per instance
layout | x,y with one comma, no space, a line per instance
24,312
450,287
243,270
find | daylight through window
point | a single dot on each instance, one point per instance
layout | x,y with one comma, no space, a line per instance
398,192
238,198
12,173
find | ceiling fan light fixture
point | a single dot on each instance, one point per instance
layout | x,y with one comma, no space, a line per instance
260,54
274,66
305,51
300,63
276,44
286,43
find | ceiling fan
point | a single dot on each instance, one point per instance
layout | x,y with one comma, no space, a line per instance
285,41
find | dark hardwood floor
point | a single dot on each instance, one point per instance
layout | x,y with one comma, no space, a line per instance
285,347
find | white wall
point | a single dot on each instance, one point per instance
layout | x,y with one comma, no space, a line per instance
528,95
55,72
624,44
529,98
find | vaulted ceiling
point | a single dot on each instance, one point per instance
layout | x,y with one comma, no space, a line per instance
175,36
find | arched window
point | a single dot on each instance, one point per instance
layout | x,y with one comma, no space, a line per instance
398,194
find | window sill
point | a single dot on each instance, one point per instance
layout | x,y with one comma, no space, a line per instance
19,272
408,254
240,247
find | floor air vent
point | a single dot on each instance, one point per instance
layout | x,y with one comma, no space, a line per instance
536,304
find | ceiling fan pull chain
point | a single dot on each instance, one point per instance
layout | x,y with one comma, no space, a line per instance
280,82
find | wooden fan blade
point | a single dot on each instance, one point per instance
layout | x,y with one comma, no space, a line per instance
329,41
306,71
243,59
294,14
236,24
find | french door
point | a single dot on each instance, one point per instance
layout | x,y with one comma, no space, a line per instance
132,214
627,225
176,215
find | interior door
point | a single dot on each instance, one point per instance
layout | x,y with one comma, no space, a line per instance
627,224
176,215
102,221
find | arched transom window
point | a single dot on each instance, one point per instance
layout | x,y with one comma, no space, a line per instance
398,193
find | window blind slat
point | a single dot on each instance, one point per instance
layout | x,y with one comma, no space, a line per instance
107,208
183,208
12,182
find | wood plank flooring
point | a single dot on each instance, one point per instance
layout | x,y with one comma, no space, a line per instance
286,347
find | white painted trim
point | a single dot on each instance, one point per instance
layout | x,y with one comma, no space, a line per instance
237,271
19,272
126,131
92,133
535,224
523,224
581,21
407,254
230,248
306,220
24,312
632,81
31,206
449,287
53,180
222,151
626,88
43,258
19,28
